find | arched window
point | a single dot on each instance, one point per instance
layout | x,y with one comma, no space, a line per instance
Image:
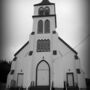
40,26
41,11
47,10
47,26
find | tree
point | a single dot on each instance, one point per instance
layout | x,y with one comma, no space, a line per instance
4,70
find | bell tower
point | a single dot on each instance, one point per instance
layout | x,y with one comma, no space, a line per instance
44,24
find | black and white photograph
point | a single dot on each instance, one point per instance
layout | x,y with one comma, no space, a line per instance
44,45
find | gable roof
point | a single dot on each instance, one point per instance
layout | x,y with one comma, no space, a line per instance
21,48
58,38
67,45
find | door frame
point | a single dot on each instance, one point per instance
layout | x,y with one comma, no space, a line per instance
67,74
37,70
18,76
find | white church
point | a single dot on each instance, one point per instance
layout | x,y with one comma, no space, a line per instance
46,61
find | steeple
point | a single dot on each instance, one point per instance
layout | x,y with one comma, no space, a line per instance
43,10
44,2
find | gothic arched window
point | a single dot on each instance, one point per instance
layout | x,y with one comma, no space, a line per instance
40,26
43,45
47,26
41,11
47,10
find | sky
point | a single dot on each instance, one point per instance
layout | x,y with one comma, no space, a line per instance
72,26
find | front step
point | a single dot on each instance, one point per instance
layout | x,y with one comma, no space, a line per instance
40,88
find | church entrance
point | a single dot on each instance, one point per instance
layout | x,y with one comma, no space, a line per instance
20,80
43,74
70,81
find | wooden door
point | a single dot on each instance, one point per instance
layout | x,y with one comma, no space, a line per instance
70,79
43,74
20,79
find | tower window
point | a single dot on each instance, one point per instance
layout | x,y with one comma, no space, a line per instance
41,11
40,27
43,45
47,26
47,10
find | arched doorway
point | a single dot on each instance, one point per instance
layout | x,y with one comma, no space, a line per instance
43,74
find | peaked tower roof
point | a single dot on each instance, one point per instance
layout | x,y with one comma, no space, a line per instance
44,2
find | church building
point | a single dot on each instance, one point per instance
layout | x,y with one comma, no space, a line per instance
46,61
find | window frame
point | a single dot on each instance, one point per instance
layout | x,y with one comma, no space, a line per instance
43,45
67,74
47,26
47,10
41,11
40,27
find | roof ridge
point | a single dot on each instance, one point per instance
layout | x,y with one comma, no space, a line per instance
21,48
